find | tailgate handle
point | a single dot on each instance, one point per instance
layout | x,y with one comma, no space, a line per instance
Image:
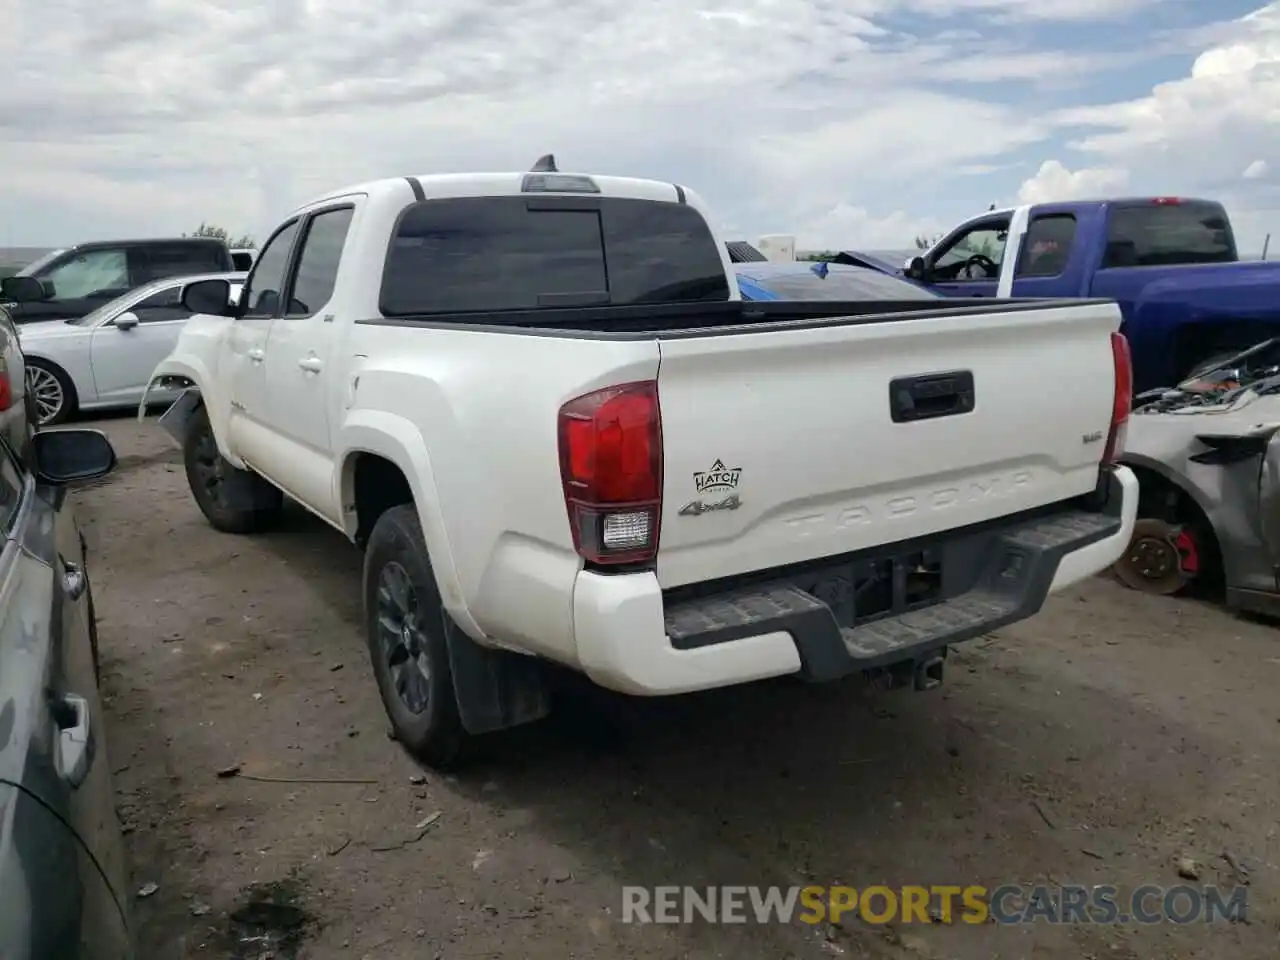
934,395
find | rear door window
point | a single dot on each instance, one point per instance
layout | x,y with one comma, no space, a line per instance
490,254
1047,246
1169,233
179,259
317,271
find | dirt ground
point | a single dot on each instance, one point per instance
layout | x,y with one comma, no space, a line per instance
1097,743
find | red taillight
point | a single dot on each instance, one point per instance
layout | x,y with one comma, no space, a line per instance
1166,201
1122,402
611,468
6,388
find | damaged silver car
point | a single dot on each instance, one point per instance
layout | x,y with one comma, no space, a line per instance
1207,455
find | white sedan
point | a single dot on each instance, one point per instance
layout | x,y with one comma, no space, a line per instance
104,359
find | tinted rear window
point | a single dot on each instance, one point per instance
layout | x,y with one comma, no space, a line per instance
1167,234
850,283
176,259
490,254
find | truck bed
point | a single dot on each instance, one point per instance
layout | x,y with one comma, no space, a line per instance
718,318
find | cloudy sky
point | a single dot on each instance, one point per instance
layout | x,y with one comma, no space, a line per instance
847,122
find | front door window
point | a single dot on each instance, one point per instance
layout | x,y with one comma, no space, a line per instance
975,254
89,273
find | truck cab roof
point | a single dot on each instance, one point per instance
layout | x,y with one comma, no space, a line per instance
449,185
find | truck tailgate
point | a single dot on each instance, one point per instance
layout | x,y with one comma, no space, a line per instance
789,444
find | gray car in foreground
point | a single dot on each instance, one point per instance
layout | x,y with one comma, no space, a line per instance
63,881
1207,456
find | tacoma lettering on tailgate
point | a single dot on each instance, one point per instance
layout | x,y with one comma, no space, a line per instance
896,507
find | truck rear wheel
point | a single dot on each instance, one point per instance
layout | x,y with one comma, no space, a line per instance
232,500
407,632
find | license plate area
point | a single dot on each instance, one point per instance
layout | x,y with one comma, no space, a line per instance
859,591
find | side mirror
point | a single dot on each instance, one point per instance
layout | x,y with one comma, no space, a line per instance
23,289
66,456
916,269
211,297
126,321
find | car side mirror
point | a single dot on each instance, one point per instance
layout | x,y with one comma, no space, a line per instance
126,321
68,456
917,270
212,297
23,290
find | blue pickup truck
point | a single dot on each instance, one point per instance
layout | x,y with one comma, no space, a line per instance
1171,263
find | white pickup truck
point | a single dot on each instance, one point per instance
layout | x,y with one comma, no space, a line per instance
538,403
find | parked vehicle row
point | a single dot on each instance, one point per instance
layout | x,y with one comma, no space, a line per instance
71,282
104,359
610,461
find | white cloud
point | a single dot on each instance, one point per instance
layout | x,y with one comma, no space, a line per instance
149,116
1054,183
1193,135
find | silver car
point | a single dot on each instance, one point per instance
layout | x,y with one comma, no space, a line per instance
104,359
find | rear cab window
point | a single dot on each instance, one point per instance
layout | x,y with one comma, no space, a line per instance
1166,233
494,254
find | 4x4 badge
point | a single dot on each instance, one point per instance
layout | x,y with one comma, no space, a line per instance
695,508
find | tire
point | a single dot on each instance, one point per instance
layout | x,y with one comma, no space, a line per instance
406,629
50,393
220,489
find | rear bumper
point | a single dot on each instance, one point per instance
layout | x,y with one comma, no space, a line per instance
632,639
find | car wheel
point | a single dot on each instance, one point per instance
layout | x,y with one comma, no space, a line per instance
407,628
222,490
50,392
1155,559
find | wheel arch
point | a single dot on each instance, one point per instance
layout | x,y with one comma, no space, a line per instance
204,388
1153,478
41,360
381,442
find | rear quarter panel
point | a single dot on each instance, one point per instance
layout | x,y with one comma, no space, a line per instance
476,430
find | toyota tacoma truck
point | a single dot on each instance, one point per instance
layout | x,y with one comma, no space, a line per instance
1188,300
539,404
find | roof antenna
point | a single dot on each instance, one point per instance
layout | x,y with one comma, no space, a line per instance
545,164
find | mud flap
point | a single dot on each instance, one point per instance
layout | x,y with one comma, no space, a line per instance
174,420
495,689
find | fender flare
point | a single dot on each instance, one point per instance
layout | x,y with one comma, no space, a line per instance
398,440
193,368
1143,462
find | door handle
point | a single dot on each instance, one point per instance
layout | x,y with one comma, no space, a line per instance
935,395
256,354
310,364
73,580
75,738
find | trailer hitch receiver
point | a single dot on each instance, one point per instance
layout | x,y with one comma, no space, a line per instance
929,673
